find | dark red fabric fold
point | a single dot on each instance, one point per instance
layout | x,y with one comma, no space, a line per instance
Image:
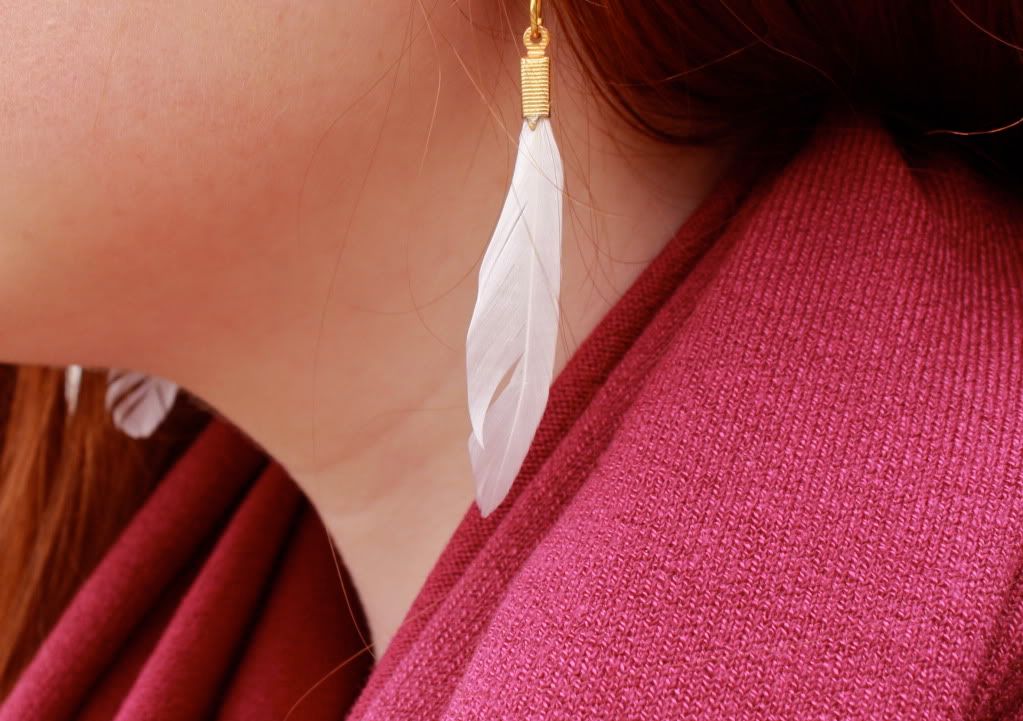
193,612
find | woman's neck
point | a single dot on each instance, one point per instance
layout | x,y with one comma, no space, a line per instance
344,354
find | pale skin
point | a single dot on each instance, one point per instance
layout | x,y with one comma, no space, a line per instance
282,206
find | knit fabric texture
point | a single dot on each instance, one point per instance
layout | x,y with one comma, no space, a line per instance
782,479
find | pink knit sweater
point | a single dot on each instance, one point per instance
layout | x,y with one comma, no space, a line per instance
783,479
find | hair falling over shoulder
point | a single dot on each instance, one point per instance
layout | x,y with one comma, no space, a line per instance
68,484
946,73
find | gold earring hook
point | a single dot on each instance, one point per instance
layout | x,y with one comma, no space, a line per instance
536,69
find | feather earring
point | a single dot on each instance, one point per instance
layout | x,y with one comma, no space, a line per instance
138,403
72,386
514,326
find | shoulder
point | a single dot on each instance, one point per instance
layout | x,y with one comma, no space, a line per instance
812,503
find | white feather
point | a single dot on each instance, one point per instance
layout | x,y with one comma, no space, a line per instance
514,326
138,403
72,386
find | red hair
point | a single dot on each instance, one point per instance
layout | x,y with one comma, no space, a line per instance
760,69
